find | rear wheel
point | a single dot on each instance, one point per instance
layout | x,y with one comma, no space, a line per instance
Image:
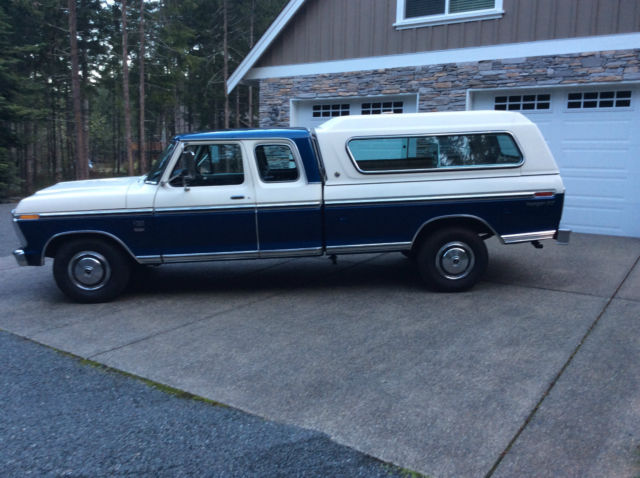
91,270
452,260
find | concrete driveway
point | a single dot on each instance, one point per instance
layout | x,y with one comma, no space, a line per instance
533,373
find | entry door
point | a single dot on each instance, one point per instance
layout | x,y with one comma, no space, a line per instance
289,208
214,214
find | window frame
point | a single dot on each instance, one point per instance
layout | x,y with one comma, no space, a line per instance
294,152
598,99
440,19
373,109
522,102
333,110
437,169
175,184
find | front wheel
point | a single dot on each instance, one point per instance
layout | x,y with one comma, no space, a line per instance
452,260
90,270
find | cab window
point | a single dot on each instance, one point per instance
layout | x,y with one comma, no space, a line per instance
276,163
216,164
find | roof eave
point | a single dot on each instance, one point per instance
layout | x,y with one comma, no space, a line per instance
265,41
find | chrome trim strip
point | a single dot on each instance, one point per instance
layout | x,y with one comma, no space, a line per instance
357,248
241,206
222,256
342,202
20,257
311,251
231,207
105,212
75,233
149,259
456,216
305,204
528,237
208,256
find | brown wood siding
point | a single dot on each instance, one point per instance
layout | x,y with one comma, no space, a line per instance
326,30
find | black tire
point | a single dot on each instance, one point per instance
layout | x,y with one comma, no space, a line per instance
91,270
452,260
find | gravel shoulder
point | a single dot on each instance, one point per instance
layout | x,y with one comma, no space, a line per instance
65,417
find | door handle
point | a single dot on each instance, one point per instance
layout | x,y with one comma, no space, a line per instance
237,197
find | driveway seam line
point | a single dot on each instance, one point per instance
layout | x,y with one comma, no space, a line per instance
209,317
559,374
626,277
551,289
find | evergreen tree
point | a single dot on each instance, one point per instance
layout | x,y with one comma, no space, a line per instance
8,113
181,80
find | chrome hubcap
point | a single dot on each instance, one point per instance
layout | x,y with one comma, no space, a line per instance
455,260
89,270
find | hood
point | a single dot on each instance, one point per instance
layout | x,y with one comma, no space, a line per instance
85,195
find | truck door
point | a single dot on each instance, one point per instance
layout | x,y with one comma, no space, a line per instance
289,207
212,214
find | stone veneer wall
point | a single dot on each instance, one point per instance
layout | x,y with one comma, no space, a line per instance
444,87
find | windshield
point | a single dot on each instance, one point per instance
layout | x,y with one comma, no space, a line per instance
155,173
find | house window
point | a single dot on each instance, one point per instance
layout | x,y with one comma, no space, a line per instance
422,153
415,13
522,102
599,99
329,111
382,107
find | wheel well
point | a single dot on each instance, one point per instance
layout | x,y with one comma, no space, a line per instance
54,244
471,223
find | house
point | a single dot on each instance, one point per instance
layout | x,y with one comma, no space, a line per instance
571,66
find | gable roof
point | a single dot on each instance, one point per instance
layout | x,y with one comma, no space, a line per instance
297,43
256,52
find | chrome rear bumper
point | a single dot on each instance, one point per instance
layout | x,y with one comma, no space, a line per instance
560,235
21,259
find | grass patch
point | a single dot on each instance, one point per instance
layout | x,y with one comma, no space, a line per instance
405,472
176,392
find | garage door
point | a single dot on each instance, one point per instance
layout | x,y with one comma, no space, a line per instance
594,134
312,113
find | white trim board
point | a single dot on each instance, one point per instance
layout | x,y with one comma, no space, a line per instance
624,41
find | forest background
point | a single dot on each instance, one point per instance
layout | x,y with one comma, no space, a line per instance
71,108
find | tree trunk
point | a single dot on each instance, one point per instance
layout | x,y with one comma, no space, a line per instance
252,21
28,157
115,129
237,107
225,68
82,167
84,88
143,145
125,91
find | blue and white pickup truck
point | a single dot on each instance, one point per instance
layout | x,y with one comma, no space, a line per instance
433,186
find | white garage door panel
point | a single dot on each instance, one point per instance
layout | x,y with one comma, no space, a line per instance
597,162
598,152
582,217
606,128
606,188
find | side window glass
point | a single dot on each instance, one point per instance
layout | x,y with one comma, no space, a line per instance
215,165
421,153
276,163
